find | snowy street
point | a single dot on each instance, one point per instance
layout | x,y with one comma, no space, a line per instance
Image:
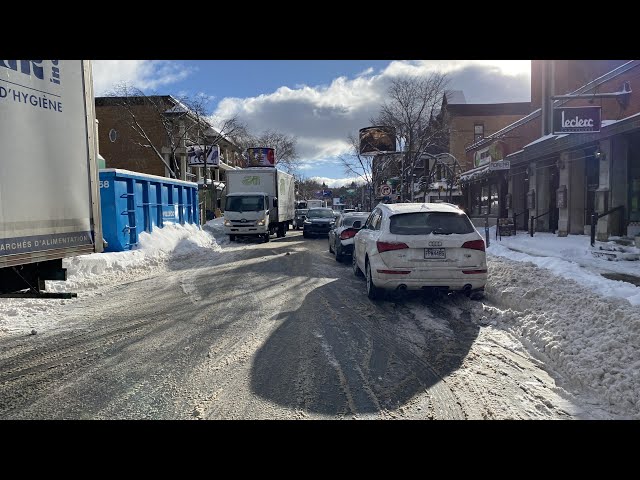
200,328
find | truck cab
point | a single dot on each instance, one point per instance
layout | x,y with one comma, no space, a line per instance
247,213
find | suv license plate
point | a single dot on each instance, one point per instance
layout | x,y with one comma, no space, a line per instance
434,253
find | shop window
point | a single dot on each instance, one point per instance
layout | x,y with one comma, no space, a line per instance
478,132
485,198
493,202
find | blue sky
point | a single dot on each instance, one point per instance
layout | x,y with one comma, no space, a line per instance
320,102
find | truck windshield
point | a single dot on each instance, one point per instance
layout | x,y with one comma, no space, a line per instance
251,203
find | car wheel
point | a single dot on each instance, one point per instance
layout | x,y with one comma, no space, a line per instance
305,234
373,292
232,238
338,250
265,238
330,249
354,265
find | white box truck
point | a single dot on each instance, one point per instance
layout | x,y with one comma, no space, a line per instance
260,201
49,195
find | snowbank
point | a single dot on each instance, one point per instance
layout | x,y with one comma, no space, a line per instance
590,340
86,273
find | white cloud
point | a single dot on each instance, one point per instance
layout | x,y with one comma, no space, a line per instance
144,74
322,116
337,182
420,67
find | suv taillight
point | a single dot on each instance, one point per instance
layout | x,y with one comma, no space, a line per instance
474,245
386,246
348,233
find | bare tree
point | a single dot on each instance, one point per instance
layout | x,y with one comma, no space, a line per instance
283,144
354,163
306,187
410,109
366,167
183,121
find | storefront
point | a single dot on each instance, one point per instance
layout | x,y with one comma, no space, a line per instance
485,187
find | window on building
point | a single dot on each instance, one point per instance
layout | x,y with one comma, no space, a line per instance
478,132
485,196
493,201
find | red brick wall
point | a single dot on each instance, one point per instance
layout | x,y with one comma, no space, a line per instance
461,132
517,138
124,152
569,76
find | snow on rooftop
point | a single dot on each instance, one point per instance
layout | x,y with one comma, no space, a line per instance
541,139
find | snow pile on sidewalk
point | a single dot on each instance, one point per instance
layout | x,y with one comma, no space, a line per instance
570,258
152,252
591,341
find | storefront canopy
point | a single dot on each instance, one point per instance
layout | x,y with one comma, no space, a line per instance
475,174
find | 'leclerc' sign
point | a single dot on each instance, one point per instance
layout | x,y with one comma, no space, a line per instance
576,120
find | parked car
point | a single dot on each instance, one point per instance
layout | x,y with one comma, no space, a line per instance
319,221
412,246
341,235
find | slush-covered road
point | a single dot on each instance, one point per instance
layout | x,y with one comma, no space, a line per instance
276,330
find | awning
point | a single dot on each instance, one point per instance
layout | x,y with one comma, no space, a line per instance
475,174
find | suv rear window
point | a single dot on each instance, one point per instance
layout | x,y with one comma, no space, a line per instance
424,223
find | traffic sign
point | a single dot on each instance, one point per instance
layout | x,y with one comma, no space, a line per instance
385,190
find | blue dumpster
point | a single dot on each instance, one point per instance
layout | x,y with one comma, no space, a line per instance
134,202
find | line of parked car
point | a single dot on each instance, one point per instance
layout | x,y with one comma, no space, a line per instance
406,246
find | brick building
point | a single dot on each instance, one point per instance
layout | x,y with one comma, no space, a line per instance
561,180
462,125
120,145
470,122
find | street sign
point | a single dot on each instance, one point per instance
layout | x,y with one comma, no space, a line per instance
385,190
500,165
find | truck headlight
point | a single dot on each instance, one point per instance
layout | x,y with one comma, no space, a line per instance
227,223
260,222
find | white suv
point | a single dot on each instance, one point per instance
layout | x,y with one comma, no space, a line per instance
420,246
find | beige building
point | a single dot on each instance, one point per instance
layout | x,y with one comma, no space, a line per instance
469,122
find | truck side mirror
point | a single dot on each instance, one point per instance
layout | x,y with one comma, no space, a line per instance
275,202
357,225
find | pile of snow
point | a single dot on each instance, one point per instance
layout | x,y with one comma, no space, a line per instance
570,257
216,228
591,341
85,273
150,255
